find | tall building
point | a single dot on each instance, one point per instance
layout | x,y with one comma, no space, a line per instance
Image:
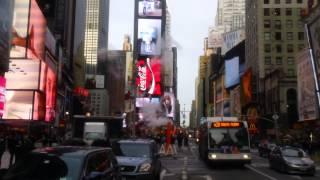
274,35
230,15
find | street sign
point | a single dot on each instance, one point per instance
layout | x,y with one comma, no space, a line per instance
275,116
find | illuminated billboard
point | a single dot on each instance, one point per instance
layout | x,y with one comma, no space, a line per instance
2,94
51,83
20,29
232,76
149,77
150,8
6,9
168,104
149,36
19,105
141,102
23,74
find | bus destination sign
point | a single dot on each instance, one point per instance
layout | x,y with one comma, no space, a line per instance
225,124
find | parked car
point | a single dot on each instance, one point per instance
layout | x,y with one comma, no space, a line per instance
138,158
265,149
291,160
66,162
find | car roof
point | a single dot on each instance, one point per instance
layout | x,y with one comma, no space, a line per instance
71,151
137,141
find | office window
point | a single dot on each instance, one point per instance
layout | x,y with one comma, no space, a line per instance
289,48
278,60
266,2
277,24
279,48
266,11
267,48
301,35
278,35
299,1
291,72
289,35
288,11
289,23
277,1
290,61
277,12
267,60
288,1
267,36
266,23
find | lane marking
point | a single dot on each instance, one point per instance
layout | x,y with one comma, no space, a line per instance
260,172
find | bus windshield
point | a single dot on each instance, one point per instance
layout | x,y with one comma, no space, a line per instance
229,140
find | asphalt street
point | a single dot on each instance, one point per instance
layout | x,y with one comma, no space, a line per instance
186,165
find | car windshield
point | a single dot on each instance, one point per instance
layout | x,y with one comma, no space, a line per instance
291,152
74,168
132,149
228,139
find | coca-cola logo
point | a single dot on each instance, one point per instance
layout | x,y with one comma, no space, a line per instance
142,73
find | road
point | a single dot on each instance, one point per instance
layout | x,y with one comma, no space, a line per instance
186,165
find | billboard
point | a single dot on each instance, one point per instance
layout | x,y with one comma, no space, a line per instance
148,79
307,104
19,105
150,8
6,9
20,29
2,94
231,39
232,76
141,102
168,104
235,104
94,81
51,83
149,36
246,88
215,38
23,74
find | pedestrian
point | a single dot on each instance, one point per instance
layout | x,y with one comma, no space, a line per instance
2,146
180,139
12,147
185,140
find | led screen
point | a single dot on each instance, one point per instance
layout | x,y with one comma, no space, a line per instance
5,31
51,82
141,102
168,104
151,8
23,74
2,94
19,105
149,36
232,76
39,106
37,31
20,29
148,79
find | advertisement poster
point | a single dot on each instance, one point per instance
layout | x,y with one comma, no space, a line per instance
2,94
235,104
246,88
18,105
232,76
215,38
148,77
168,104
307,104
149,36
6,9
150,8
51,82
141,102
20,29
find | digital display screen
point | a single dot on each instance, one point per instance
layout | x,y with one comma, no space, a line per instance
225,124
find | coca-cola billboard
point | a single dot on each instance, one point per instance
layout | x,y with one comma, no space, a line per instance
2,94
148,77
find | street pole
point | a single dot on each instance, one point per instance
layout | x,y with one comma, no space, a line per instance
275,117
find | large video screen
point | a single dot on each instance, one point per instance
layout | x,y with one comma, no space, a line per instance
168,104
20,29
51,83
23,74
150,8
232,76
148,79
19,105
149,36
141,102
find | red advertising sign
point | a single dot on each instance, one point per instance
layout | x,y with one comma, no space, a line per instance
2,94
149,76
51,83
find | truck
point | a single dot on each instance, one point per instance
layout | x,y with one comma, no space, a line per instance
94,130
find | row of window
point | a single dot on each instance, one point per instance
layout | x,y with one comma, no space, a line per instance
278,36
278,60
278,25
278,48
290,73
277,11
286,1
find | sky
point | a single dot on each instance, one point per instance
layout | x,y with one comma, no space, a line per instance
190,22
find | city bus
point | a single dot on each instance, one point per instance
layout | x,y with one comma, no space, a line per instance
224,140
